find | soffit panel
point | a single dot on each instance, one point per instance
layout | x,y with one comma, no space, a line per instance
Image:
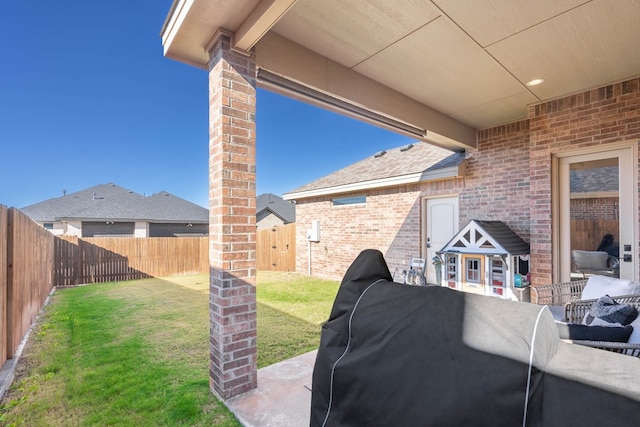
440,66
507,110
350,32
195,22
592,45
461,58
490,21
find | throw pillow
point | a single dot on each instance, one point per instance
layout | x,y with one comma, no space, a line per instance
598,286
635,335
608,312
594,333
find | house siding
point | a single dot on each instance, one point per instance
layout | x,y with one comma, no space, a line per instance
508,179
267,219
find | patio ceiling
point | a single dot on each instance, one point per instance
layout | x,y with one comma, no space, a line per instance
436,69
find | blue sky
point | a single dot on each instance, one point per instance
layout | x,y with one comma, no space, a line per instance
87,98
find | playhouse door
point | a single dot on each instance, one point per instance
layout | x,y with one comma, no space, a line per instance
440,220
597,214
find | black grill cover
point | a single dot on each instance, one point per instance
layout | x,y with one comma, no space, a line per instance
399,355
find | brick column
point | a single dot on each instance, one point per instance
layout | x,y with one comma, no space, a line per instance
232,221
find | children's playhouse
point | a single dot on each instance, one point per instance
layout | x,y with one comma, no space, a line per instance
488,258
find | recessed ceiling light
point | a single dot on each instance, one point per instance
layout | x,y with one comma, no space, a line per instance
535,82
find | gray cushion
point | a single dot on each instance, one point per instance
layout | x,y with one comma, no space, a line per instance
594,333
590,260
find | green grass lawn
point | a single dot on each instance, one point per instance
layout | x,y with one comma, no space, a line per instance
136,353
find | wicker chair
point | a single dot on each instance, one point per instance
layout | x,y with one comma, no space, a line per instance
576,310
558,293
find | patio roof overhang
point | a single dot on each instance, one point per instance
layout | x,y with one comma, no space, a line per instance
437,70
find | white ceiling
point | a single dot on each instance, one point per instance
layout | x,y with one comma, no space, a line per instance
471,59
447,66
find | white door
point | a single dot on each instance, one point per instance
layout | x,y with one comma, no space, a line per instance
596,199
440,216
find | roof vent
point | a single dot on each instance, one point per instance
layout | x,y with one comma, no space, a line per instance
380,153
406,147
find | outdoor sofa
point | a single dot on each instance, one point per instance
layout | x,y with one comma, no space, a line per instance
393,354
576,312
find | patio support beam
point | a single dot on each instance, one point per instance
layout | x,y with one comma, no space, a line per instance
265,15
232,227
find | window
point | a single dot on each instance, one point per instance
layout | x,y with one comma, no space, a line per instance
473,270
497,272
48,225
352,200
451,275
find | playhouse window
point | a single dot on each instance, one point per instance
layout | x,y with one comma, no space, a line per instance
451,268
472,270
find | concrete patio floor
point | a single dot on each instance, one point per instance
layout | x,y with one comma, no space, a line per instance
283,396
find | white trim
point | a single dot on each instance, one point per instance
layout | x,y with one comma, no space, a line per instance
561,256
444,173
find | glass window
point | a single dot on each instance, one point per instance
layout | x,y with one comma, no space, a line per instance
48,225
473,270
352,200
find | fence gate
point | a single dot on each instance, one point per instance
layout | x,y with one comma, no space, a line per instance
277,248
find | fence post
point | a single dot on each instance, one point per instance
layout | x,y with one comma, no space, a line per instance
3,282
10,284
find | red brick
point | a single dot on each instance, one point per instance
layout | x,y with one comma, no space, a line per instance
232,307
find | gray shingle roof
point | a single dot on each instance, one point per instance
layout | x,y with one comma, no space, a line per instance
471,239
505,237
276,205
112,202
603,178
418,157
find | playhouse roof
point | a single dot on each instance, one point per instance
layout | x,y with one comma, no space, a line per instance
487,237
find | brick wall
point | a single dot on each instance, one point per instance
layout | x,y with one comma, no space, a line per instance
601,116
497,182
595,208
389,221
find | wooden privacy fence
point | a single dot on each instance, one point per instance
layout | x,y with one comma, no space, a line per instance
276,248
33,261
586,234
106,259
26,276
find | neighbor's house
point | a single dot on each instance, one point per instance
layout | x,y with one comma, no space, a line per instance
375,203
110,210
530,91
272,211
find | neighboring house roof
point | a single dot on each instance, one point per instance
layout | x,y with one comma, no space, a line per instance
284,210
397,166
112,202
487,237
597,179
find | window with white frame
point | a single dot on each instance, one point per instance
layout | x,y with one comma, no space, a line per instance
352,200
473,269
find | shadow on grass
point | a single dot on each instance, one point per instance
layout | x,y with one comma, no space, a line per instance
135,353
282,336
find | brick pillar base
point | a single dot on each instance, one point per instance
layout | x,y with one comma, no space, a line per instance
232,220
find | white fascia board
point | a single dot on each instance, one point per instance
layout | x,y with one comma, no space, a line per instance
444,173
173,21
